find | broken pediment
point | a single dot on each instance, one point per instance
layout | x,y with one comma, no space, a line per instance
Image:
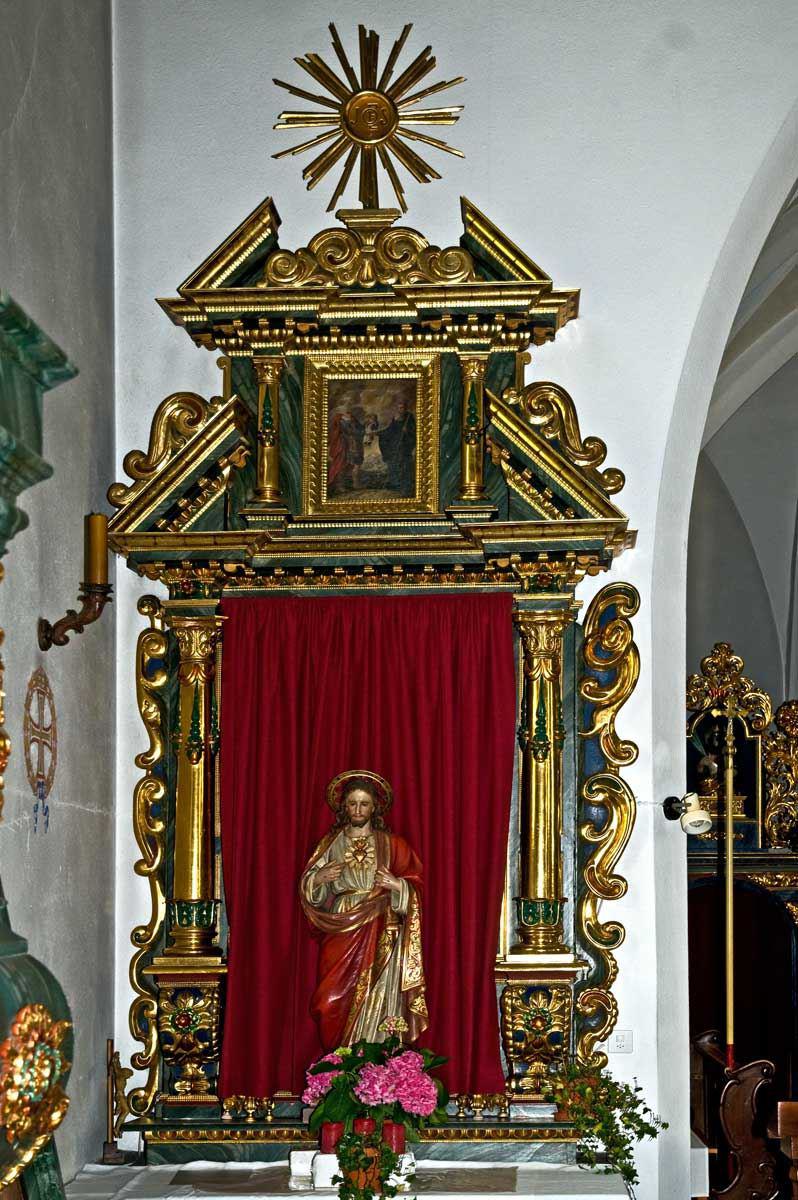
250,291
533,435
181,481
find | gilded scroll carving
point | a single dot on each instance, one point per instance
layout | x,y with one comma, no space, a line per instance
609,649
781,767
549,408
149,829
365,257
599,1008
176,419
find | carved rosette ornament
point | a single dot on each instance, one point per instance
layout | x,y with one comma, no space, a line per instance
612,665
781,778
32,1099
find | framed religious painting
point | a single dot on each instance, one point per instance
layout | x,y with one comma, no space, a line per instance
371,434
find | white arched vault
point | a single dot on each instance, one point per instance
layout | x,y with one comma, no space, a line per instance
756,214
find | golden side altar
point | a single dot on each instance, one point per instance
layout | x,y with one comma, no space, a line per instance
257,491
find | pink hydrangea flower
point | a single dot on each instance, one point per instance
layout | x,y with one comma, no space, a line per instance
375,1085
401,1080
413,1088
411,1058
319,1085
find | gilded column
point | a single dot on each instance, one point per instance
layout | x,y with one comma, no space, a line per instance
192,908
472,444
541,737
267,485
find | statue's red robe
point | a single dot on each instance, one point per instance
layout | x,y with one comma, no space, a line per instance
354,952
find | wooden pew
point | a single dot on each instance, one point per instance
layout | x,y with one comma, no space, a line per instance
786,1130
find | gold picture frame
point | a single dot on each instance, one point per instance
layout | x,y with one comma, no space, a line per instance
371,434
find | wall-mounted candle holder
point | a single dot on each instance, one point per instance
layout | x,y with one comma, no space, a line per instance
95,590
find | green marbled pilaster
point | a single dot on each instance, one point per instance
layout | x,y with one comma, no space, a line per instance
30,364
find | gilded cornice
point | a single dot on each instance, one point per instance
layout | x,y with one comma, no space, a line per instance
594,539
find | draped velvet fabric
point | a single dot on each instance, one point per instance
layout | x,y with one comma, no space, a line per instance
422,691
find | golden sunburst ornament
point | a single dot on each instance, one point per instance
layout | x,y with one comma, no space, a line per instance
369,118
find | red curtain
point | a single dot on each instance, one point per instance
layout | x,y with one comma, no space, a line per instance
422,691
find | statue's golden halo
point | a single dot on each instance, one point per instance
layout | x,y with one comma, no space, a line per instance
384,790
369,118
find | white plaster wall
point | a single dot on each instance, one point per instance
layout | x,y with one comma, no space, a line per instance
56,261
621,145
727,596
755,454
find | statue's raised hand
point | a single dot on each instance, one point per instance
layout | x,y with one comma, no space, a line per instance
329,872
385,879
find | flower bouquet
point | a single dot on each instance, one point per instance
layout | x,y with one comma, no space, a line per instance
368,1099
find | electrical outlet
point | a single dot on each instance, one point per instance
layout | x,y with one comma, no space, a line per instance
621,1041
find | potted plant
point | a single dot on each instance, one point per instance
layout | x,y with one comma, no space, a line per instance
610,1117
367,1099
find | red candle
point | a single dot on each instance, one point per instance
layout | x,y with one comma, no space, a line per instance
331,1134
365,1125
393,1134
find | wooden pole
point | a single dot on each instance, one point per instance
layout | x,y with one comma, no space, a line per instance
729,834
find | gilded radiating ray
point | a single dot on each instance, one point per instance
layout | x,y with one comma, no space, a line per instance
367,118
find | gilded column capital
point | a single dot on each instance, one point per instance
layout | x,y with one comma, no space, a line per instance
541,632
197,638
269,368
472,367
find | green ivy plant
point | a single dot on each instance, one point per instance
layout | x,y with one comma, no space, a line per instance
610,1118
357,1153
